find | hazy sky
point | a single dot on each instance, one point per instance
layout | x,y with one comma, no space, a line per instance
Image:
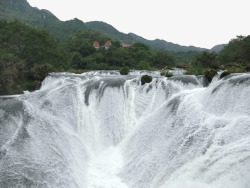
202,23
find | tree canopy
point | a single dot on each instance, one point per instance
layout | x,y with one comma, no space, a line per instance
26,53
238,50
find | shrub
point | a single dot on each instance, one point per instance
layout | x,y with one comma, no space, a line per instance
168,74
144,65
124,70
203,61
103,66
209,74
225,73
195,69
146,79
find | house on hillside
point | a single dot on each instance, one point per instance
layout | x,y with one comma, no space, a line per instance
126,45
96,44
105,45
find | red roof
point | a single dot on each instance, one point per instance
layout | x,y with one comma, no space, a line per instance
108,43
96,44
124,45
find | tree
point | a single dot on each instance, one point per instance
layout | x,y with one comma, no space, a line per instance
26,55
140,46
77,61
124,70
118,57
144,65
202,62
246,49
236,51
32,45
86,49
207,59
163,59
116,44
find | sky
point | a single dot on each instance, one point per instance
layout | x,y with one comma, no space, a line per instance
200,23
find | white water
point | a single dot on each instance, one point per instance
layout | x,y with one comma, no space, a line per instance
103,130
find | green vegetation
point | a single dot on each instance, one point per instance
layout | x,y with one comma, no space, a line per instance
202,62
124,70
81,54
108,30
27,55
164,45
236,51
225,73
161,57
43,19
146,79
183,58
234,58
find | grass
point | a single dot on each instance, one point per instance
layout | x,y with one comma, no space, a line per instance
78,71
196,70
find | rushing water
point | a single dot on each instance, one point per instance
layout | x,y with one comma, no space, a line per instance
103,130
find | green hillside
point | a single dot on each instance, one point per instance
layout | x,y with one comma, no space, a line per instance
109,31
163,45
44,19
218,48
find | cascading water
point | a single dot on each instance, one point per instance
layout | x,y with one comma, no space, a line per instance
104,130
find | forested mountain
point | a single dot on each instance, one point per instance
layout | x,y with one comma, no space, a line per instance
43,19
113,33
163,45
109,31
218,48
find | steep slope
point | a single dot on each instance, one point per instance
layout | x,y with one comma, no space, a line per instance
109,31
44,19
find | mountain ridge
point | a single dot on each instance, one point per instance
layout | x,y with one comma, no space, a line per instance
218,48
44,19
162,44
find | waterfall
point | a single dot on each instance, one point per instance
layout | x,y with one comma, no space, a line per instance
101,129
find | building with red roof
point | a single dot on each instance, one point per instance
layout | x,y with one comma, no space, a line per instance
107,44
96,44
126,45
